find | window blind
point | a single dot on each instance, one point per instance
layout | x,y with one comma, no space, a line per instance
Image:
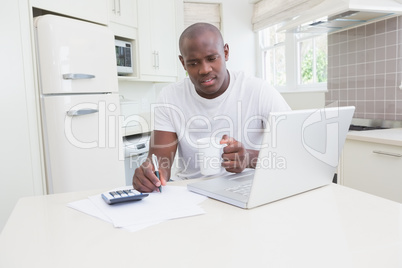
202,12
269,12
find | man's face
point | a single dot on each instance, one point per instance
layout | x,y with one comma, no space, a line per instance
204,58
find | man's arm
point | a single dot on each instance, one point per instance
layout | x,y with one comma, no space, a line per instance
163,144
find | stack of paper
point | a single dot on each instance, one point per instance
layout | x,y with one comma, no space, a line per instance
174,202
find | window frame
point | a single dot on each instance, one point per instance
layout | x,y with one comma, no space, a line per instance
293,64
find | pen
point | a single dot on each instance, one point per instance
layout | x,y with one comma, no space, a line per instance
156,165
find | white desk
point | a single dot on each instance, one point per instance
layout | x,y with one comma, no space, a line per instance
333,226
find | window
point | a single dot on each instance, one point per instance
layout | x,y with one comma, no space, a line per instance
312,59
274,56
293,61
202,12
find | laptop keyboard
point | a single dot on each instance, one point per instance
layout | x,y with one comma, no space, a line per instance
243,189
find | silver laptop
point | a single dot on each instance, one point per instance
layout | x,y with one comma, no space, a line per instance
300,152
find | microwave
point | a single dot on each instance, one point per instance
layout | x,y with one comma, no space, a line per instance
124,59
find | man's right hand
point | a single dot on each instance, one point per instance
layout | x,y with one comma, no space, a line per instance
145,180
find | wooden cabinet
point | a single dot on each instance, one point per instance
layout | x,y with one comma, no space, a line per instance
158,42
90,10
123,12
374,168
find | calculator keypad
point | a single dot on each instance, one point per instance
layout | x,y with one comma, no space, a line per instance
124,195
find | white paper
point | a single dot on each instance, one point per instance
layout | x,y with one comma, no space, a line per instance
174,202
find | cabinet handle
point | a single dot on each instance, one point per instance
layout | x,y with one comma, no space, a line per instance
114,7
157,60
387,153
81,112
77,76
154,54
119,9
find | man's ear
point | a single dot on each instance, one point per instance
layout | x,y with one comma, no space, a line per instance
226,51
182,61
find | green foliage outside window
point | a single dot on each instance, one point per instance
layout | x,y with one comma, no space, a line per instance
307,74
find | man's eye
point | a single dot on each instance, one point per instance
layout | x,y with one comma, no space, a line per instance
192,63
212,58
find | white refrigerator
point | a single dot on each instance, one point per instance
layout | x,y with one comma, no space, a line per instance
79,105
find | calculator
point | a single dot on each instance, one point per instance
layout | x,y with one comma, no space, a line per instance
124,195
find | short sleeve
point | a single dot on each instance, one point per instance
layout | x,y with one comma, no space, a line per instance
162,115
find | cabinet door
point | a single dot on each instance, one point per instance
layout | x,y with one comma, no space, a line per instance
90,10
373,168
157,40
123,12
83,150
164,38
147,54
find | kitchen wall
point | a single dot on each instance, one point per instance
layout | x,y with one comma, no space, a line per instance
364,69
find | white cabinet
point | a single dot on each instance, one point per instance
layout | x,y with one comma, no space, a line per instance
90,10
123,12
158,42
374,168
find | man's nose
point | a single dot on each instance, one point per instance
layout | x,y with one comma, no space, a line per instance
205,68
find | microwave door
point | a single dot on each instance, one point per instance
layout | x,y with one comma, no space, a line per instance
124,57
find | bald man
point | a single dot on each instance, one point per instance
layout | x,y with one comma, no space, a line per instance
212,102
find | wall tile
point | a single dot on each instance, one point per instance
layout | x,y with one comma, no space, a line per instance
380,40
390,80
380,27
370,55
370,68
379,109
390,52
398,107
390,66
379,81
390,107
379,53
370,42
365,69
390,38
361,32
343,36
390,94
370,29
391,24
369,108
370,93
380,67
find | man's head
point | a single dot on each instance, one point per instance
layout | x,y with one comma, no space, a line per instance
204,56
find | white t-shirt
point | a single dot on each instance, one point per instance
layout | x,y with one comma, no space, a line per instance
239,112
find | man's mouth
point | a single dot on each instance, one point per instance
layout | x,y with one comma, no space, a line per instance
208,82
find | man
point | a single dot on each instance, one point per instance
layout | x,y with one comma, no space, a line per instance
212,102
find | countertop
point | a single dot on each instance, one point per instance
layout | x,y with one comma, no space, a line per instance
136,124
391,136
333,226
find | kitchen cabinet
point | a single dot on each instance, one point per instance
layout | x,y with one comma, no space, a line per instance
123,12
90,10
158,42
373,167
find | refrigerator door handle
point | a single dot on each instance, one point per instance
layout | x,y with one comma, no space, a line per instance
81,112
72,76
